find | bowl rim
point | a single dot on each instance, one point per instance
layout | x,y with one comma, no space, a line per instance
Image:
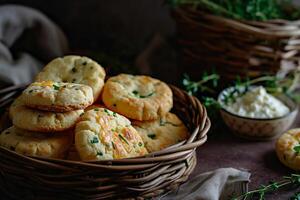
293,109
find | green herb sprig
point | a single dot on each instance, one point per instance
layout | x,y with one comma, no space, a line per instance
206,86
257,10
287,181
273,84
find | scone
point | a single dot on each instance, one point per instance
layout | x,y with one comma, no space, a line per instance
57,97
53,145
74,69
137,97
161,133
41,121
102,134
288,149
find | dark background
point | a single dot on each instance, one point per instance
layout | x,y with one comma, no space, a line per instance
119,28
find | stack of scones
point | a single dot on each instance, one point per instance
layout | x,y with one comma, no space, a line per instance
58,110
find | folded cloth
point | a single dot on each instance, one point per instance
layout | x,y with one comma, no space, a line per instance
220,184
27,38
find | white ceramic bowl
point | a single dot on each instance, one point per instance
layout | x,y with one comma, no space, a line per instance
258,129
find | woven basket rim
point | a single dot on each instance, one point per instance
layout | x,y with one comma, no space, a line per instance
176,151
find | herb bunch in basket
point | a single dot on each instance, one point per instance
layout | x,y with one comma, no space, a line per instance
256,10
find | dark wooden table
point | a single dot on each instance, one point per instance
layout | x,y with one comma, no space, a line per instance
223,149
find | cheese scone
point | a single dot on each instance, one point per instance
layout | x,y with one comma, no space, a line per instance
137,97
52,145
288,149
74,69
41,121
161,133
57,97
102,134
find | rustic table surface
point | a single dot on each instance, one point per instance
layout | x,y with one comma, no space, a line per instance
223,149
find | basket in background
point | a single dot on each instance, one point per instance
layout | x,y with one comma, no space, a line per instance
235,47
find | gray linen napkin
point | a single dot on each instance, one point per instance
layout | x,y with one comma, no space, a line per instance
24,29
223,184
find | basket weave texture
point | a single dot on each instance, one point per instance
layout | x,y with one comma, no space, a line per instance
244,48
23,177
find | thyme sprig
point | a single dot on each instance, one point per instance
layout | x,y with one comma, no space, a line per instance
206,90
287,181
193,87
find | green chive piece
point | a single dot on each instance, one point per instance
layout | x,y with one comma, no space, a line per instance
56,87
135,92
95,140
99,153
140,144
113,145
122,138
107,112
152,136
297,148
148,95
96,109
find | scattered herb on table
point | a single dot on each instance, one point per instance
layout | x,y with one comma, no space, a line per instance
287,182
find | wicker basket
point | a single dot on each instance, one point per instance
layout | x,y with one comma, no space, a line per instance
244,48
156,174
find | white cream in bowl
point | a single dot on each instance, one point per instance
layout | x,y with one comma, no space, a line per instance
257,103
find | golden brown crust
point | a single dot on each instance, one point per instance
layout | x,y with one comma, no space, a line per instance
102,134
52,145
74,69
161,133
42,121
286,149
137,97
57,97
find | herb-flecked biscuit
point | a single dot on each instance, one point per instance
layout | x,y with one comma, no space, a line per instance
57,97
137,97
52,145
288,148
102,134
161,133
41,121
74,69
